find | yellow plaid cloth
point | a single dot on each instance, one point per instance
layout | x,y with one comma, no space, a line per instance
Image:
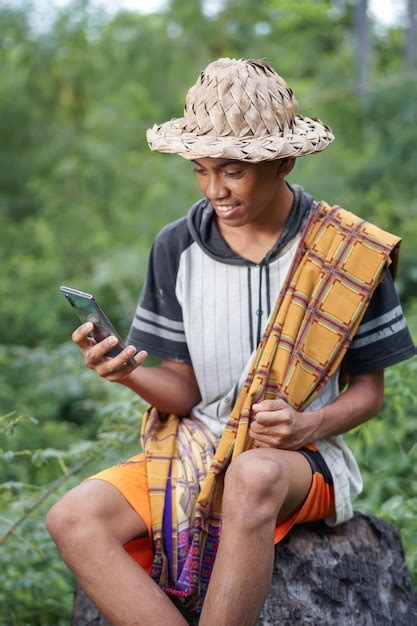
338,264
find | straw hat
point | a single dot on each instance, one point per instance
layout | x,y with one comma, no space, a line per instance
240,109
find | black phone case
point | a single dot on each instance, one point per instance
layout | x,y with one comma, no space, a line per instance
88,310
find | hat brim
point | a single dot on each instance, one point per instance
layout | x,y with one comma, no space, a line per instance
307,136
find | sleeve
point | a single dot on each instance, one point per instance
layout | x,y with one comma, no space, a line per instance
157,326
383,338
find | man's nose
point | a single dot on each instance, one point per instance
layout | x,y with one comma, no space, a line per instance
216,189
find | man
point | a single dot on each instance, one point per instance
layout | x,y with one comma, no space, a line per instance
261,398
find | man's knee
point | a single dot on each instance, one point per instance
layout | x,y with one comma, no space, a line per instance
257,473
74,516
91,509
256,483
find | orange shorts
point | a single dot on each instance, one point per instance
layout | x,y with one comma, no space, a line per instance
130,479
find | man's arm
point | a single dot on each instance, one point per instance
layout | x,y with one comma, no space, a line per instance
171,388
277,425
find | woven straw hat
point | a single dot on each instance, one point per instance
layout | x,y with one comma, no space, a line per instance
240,109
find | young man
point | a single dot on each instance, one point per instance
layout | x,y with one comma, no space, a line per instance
255,248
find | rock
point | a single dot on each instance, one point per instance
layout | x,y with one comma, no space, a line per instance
85,613
351,575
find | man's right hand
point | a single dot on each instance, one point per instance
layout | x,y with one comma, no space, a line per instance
171,387
114,369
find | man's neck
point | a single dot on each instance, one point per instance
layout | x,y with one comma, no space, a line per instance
253,241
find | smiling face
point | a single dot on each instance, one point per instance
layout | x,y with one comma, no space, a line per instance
243,193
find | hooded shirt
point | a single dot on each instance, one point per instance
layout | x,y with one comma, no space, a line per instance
205,305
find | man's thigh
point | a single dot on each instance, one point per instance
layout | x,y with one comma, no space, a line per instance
300,479
127,482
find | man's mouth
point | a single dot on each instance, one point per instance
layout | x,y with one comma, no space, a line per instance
226,208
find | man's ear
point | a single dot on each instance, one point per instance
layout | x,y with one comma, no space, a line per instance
286,165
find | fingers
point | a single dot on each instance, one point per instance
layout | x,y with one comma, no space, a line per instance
278,439
272,423
272,418
121,365
95,354
276,424
269,405
121,372
81,337
271,412
259,444
280,428
262,439
281,431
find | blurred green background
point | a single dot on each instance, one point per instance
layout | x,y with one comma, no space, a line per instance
81,198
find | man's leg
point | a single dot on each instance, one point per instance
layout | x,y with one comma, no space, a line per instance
90,526
261,485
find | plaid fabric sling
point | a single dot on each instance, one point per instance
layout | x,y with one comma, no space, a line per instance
338,264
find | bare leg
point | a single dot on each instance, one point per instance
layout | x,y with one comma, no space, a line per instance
90,525
260,485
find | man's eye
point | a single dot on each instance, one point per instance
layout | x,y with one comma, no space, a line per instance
234,174
199,171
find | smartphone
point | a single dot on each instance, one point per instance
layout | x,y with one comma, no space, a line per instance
88,310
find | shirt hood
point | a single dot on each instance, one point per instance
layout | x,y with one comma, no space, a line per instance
203,228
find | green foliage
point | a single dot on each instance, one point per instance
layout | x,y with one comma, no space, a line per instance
81,198
386,450
35,587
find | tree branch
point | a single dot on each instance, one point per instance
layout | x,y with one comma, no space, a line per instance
45,494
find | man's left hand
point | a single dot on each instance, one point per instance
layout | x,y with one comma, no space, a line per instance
277,425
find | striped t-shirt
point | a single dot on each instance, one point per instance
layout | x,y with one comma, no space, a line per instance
205,305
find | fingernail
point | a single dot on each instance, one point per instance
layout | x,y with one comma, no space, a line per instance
131,349
112,340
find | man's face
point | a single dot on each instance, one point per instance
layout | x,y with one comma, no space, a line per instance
241,193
